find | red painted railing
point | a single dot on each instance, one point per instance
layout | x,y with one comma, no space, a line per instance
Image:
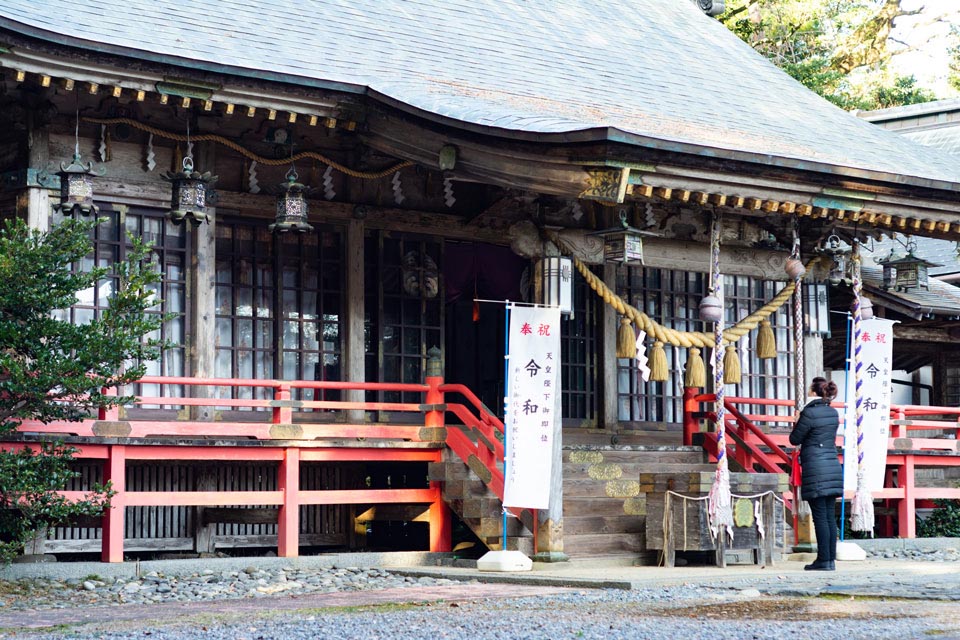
755,449
288,432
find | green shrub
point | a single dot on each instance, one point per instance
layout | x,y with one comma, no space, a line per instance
943,522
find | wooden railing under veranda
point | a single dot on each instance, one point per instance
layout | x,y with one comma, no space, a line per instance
759,442
283,431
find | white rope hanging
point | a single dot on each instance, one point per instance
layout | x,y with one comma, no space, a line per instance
720,505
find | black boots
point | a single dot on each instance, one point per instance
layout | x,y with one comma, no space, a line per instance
821,565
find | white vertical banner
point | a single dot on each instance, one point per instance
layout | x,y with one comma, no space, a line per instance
534,378
876,357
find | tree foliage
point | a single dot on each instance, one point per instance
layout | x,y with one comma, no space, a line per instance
953,50
54,370
840,49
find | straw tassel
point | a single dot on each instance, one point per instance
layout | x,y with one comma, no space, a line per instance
766,343
731,366
695,374
658,363
626,340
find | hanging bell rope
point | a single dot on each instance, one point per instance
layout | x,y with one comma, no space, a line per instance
796,270
719,501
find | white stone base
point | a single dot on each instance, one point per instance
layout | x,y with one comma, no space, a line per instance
847,551
504,561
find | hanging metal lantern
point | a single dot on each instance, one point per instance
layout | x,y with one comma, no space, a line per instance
76,188
554,283
710,309
816,309
291,206
189,193
837,252
623,244
906,273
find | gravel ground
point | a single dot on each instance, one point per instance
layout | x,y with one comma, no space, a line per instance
687,613
259,604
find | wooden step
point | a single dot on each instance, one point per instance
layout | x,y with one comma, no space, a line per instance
692,455
631,470
586,525
666,435
601,544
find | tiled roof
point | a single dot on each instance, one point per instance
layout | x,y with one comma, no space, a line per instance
653,72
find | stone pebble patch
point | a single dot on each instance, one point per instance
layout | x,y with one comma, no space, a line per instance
153,587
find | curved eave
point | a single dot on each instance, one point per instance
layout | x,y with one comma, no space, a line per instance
587,135
613,134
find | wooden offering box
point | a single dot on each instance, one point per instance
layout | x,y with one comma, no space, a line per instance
677,514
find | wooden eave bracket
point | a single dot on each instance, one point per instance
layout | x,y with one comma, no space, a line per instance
759,197
324,109
21,178
187,88
606,184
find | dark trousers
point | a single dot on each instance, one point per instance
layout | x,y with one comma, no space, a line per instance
824,510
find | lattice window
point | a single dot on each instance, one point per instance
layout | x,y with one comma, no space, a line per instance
404,309
951,382
579,354
279,305
170,246
672,298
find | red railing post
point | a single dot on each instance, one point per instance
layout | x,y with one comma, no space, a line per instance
441,527
907,509
434,396
288,525
899,430
690,407
441,524
109,413
282,413
114,471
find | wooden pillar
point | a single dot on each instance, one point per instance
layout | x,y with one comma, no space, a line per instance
35,201
202,298
354,355
115,468
203,532
609,414
288,530
812,359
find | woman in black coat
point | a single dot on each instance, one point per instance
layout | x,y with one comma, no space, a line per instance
815,432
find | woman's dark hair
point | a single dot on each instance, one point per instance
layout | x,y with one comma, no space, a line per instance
826,389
